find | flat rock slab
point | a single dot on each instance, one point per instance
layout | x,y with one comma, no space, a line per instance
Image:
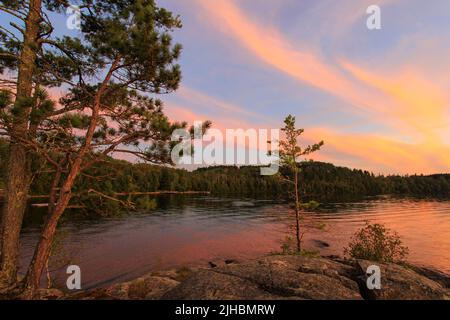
274,277
280,277
149,287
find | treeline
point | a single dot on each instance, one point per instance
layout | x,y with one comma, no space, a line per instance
322,182
318,181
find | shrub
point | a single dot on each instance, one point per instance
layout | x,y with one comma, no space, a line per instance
375,242
288,248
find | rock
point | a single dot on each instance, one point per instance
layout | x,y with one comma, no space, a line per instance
212,285
221,263
321,244
179,274
156,287
400,283
333,257
280,277
49,294
96,294
434,275
145,288
275,277
149,287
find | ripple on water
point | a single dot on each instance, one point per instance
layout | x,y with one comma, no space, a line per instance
204,229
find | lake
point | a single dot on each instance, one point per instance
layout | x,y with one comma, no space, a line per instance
192,231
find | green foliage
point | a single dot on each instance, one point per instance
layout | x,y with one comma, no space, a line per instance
146,203
290,153
5,98
323,182
375,242
135,38
311,205
289,247
290,150
74,120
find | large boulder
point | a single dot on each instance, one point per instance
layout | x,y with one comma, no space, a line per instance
214,285
400,283
435,275
273,277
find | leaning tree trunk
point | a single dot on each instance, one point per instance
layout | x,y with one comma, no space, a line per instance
19,173
44,246
43,249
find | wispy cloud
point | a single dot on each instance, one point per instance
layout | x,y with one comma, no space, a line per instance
403,98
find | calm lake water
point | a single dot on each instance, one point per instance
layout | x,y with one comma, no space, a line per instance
194,231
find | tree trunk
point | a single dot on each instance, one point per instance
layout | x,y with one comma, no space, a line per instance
297,212
43,249
19,163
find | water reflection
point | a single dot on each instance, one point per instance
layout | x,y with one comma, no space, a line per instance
193,231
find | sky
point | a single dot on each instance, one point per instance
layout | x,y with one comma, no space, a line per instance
380,99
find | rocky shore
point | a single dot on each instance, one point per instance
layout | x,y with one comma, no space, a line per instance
279,277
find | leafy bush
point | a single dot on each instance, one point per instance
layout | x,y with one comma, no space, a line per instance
375,242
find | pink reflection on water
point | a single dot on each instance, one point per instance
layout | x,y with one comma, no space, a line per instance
114,251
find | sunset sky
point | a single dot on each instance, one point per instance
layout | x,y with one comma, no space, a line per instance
380,99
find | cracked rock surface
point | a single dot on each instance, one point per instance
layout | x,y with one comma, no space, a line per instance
282,277
296,277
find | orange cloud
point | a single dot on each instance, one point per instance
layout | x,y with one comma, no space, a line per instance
406,101
215,104
269,46
414,100
374,152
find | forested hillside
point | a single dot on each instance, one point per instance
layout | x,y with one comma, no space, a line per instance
319,181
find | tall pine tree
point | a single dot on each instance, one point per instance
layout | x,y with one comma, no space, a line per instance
290,154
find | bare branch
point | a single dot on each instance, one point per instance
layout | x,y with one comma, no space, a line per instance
17,27
12,35
125,204
16,14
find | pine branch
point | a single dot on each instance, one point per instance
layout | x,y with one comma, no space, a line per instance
17,14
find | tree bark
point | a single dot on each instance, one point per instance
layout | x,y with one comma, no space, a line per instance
43,249
297,212
19,162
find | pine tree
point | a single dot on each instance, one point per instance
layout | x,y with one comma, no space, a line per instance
290,153
125,54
